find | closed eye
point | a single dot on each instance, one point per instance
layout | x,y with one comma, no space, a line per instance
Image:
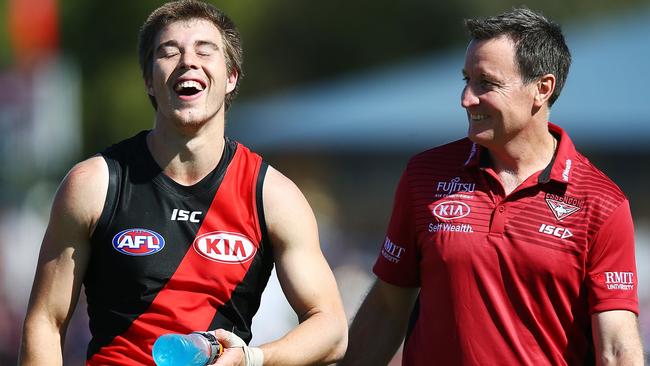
205,48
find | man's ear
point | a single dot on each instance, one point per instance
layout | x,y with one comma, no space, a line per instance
148,86
544,89
231,83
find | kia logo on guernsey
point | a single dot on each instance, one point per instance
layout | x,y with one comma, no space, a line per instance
450,210
138,242
225,247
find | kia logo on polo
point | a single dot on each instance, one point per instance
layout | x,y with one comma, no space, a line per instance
450,210
138,242
225,247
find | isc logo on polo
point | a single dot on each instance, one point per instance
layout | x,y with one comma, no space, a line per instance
556,231
225,247
138,242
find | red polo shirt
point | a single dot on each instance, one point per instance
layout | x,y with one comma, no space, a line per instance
507,280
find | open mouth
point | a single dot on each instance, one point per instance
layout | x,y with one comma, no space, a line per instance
188,88
478,117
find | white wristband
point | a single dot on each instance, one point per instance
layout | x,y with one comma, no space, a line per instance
254,356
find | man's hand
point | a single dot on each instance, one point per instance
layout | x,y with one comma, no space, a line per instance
236,352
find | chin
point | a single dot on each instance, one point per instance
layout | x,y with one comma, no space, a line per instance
480,135
191,117
485,138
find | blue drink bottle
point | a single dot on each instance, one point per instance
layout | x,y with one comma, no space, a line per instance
194,349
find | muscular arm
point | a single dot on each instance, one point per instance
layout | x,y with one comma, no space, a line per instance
305,277
380,324
616,338
62,262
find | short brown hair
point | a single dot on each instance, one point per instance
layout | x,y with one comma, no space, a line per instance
540,47
184,10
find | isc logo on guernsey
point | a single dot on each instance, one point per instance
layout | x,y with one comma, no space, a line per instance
225,247
138,242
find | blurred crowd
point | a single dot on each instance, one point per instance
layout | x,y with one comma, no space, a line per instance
351,256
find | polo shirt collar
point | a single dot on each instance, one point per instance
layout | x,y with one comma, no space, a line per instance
559,169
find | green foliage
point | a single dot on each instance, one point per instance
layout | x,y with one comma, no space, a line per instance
286,43
117,102
5,47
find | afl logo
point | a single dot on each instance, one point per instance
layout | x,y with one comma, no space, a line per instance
138,242
225,247
450,210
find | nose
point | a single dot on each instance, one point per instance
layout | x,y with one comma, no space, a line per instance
188,60
468,98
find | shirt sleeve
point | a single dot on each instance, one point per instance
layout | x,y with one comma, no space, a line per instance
611,266
398,262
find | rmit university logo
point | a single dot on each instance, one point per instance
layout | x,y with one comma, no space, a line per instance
619,280
225,247
450,210
138,242
391,251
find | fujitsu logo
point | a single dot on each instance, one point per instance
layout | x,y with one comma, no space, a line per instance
455,185
619,280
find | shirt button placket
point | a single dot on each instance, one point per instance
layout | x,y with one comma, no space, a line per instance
498,220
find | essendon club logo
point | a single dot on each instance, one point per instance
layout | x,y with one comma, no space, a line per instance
563,206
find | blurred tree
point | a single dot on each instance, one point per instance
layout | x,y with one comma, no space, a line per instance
5,48
286,43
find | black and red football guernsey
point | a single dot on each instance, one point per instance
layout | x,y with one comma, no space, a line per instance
168,258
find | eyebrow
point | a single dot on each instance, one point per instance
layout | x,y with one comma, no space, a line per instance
491,77
206,43
484,75
170,43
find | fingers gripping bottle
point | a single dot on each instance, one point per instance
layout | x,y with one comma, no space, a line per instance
194,349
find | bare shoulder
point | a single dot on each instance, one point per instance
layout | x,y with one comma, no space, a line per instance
88,172
286,210
81,195
281,193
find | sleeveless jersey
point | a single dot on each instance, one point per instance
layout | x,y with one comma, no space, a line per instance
168,258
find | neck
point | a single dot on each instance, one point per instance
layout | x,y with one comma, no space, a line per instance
187,154
523,156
